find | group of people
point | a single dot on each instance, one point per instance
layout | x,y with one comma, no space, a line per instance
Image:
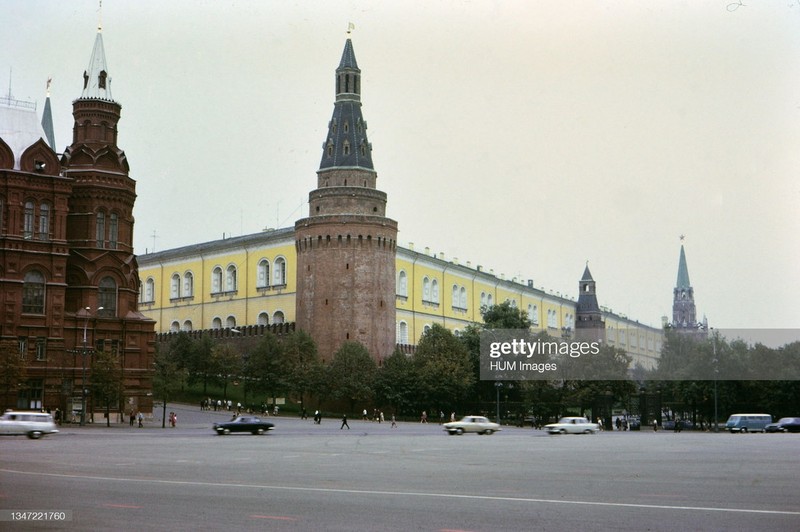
219,404
136,416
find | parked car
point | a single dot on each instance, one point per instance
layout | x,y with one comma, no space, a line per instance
573,425
251,424
34,425
685,424
477,424
784,424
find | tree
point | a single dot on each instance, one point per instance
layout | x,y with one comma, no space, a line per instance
351,374
265,368
198,362
395,382
167,377
304,369
442,368
12,371
226,365
107,380
504,316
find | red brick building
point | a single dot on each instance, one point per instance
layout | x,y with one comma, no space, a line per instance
68,276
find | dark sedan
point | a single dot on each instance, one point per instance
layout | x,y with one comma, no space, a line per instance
251,424
784,424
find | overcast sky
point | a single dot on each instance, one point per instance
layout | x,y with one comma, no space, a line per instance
527,137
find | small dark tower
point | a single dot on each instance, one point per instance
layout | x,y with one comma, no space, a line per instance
346,247
102,270
589,323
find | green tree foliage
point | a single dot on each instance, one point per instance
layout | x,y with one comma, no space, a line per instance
107,380
12,371
504,316
304,369
198,361
395,383
226,365
443,369
265,367
351,374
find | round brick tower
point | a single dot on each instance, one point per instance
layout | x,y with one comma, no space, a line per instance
346,246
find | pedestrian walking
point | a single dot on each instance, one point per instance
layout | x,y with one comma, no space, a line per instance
394,422
424,418
344,423
140,417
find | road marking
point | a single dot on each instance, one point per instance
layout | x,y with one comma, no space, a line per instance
410,494
276,517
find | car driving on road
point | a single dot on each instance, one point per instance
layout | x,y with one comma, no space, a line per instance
251,424
573,425
34,425
477,424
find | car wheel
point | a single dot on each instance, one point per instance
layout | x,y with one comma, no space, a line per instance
226,431
259,432
35,435
562,431
488,432
459,431
744,430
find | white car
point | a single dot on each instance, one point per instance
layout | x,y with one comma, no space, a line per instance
478,424
34,425
573,425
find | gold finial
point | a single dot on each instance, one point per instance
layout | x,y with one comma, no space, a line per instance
350,28
100,17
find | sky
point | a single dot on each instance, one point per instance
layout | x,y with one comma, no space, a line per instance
527,137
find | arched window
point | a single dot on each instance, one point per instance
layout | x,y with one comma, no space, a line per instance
462,297
230,279
426,289
230,322
174,327
402,333
216,323
277,317
107,296
262,274
402,284
454,296
263,318
435,291
187,325
27,220
483,299
44,221
149,290
188,284
100,228
216,280
113,231
489,300
175,286
279,275
33,293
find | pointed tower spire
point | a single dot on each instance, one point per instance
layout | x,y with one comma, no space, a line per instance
347,145
47,119
684,312
96,81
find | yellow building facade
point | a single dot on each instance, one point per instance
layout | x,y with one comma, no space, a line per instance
251,280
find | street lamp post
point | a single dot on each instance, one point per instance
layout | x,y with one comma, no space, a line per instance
716,372
83,378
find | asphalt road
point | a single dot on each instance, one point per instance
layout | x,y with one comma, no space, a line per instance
303,476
